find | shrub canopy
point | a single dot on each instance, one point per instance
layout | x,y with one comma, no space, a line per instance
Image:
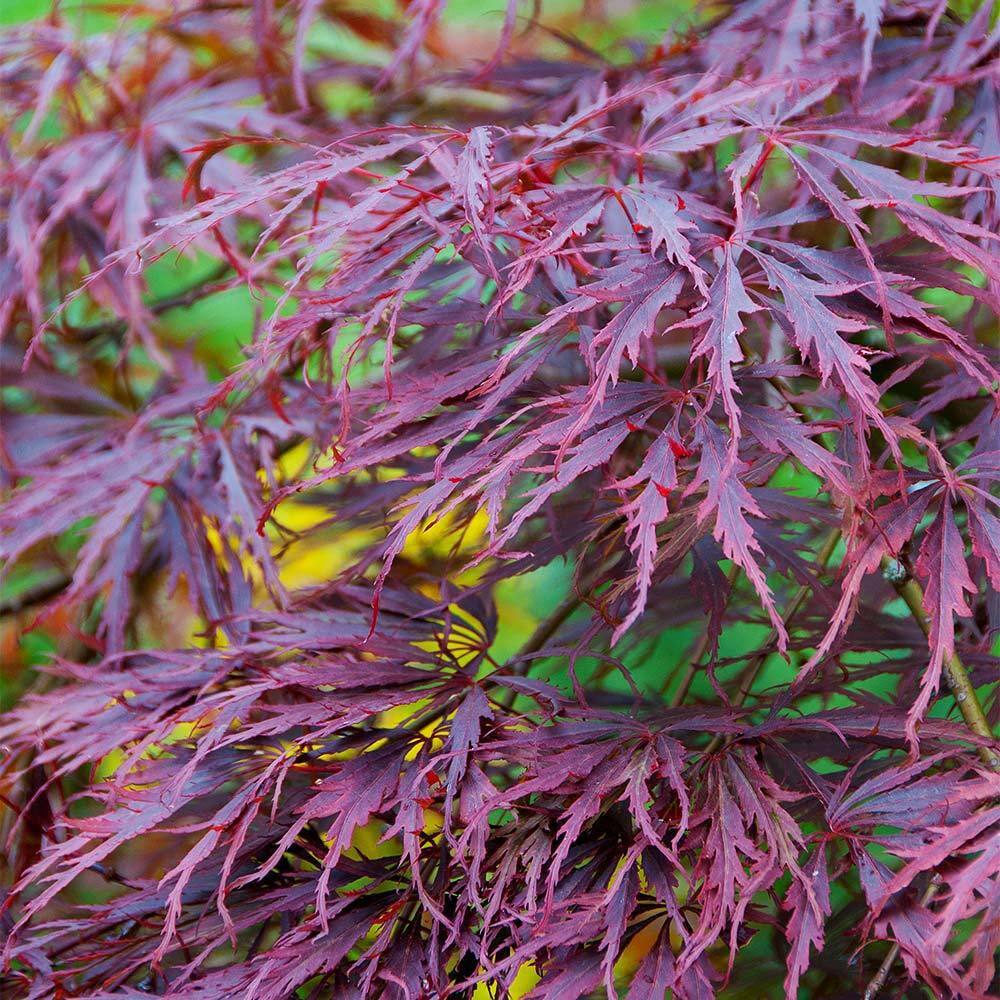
508,515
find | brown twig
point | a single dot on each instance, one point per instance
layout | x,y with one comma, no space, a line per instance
32,596
955,673
697,652
969,705
749,675
179,300
882,974
546,629
956,676
753,668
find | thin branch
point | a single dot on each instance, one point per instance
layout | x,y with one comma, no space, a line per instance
882,974
972,712
955,673
753,668
542,634
546,629
33,596
749,675
697,652
188,297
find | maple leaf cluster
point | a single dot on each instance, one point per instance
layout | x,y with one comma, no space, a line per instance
707,327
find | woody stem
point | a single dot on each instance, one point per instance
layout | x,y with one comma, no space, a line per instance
956,675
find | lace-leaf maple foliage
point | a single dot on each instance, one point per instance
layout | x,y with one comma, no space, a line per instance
691,348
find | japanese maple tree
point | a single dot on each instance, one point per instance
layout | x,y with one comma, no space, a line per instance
684,351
